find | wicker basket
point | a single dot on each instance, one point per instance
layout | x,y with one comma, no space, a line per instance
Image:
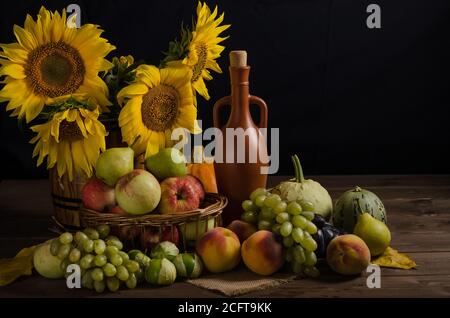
182,228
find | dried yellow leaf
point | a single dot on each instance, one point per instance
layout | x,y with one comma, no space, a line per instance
20,265
392,258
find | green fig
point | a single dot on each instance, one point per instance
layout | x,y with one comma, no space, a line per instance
113,164
168,162
374,233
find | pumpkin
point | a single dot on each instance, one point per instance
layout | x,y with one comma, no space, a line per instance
352,204
205,173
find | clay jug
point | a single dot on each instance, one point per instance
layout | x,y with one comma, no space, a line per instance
237,180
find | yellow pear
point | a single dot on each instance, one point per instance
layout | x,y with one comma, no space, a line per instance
374,233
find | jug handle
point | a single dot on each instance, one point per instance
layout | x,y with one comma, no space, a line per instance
254,100
224,101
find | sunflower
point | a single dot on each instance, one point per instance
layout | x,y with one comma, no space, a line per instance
204,48
157,102
72,139
50,62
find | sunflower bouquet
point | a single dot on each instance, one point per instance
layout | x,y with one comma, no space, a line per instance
59,79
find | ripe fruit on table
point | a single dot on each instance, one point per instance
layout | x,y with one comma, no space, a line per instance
193,230
168,162
262,253
165,249
188,265
242,229
219,249
138,192
113,164
151,236
160,272
97,195
118,210
305,190
325,233
180,194
46,264
348,255
375,233
355,202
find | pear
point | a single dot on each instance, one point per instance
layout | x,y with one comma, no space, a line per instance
374,233
168,162
113,164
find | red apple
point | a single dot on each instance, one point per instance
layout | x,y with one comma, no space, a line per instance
127,232
179,194
118,210
198,186
97,195
150,237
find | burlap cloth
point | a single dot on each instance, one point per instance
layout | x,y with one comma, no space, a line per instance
240,281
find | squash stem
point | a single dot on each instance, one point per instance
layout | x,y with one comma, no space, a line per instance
299,177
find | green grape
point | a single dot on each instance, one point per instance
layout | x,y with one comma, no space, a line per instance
99,246
280,207
276,228
132,254
97,274
86,261
74,255
131,281
122,273
88,246
63,265
293,208
309,244
297,234
100,260
114,241
87,281
257,192
54,246
296,267
124,256
299,221
299,254
282,217
109,270
286,229
311,228
80,237
91,233
290,254
311,258
250,217
311,271
115,259
132,266
264,225
63,251
66,238
259,201
307,206
103,230
249,206
113,284
288,241
267,214
110,250
142,259
99,286
308,215
272,200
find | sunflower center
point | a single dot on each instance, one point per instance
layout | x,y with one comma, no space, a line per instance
55,69
201,51
69,131
160,107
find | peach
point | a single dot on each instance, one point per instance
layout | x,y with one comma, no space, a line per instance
242,229
262,253
348,255
219,249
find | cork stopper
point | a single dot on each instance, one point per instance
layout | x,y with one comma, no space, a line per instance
238,58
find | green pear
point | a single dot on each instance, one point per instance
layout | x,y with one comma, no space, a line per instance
168,162
113,164
374,233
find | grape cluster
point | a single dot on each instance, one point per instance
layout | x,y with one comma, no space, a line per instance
325,233
101,259
292,221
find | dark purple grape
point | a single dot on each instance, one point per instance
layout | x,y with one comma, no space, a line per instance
319,221
321,246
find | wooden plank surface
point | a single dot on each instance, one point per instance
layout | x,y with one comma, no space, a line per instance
418,213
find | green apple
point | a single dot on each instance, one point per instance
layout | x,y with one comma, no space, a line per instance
374,233
168,162
113,164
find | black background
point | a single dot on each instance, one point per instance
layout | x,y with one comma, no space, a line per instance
347,99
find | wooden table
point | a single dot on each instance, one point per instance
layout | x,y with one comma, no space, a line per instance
418,213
